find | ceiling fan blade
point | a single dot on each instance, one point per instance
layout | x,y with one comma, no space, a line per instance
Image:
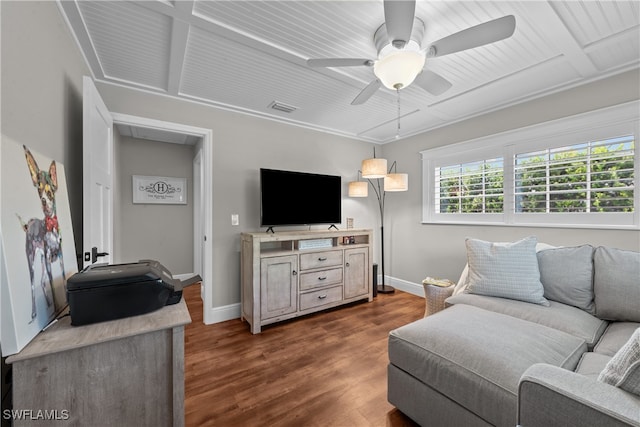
398,17
488,32
367,92
339,62
433,83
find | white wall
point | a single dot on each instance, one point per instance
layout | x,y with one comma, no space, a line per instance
416,250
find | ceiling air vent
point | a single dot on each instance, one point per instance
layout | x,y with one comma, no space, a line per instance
275,105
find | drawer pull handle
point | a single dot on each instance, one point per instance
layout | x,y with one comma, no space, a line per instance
347,264
322,258
322,296
295,273
322,278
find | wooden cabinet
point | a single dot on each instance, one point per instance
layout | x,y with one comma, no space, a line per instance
289,274
278,286
123,372
356,272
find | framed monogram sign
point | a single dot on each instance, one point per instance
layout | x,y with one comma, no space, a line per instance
159,190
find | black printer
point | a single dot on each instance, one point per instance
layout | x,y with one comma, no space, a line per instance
112,291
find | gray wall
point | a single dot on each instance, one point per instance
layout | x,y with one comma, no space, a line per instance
41,90
154,231
241,146
417,250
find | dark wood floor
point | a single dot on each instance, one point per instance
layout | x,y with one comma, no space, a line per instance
326,369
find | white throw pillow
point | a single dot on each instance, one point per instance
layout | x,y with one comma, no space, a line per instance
464,276
623,370
505,270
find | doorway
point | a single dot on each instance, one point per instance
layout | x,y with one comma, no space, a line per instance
201,140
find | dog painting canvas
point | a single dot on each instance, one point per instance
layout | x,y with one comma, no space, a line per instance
38,251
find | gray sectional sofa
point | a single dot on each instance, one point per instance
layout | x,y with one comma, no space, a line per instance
528,338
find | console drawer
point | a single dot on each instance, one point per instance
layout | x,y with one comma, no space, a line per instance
320,297
319,278
320,259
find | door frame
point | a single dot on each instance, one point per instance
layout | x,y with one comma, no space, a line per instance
206,200
198,172
97,202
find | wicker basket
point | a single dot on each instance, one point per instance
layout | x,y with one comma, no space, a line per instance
435,296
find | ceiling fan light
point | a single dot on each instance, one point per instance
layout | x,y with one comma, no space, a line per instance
374,168
399,69
396,182
358,189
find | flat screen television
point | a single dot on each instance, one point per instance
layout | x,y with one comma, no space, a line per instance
299,198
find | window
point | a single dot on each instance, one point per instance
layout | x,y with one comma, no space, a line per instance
580,171
590,177
474,187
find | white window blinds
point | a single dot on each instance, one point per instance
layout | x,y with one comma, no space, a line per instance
475,187
596,176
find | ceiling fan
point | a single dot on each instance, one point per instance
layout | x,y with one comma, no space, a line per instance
401,58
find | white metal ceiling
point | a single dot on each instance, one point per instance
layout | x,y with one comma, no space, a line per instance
246,54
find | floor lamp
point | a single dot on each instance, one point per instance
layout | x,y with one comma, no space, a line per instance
373,170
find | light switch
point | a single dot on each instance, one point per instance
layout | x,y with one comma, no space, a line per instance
234,219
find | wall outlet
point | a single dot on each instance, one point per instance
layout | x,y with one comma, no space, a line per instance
235,220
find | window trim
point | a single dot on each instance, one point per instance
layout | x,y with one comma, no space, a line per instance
598,124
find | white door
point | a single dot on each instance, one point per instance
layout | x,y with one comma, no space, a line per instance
97,165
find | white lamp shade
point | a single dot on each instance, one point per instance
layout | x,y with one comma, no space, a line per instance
358,189
396,182
374,168
399,68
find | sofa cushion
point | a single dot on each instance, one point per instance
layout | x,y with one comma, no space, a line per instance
461,285
567,275
475,357
591,364
615,336
623,370
617,284
559,316
505,270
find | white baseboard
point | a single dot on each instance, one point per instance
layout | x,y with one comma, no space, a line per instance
183,276
405,286
223,313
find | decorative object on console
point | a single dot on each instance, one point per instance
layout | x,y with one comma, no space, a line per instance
374,169
349,240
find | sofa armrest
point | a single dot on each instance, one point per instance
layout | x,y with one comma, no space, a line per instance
551,396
